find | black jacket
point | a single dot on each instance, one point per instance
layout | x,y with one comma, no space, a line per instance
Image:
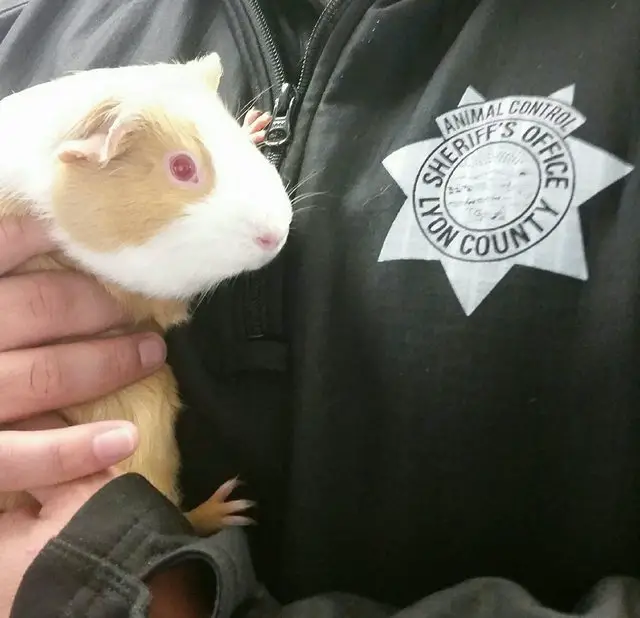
437,381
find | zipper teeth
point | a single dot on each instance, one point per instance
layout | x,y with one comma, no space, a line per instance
266,34
275,158
324,20
276,155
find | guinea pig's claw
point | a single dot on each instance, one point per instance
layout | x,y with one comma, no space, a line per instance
216,513
255,123
251,116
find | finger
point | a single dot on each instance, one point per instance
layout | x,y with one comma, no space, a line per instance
55,377
32,459
20,239
46,420
251,116
261,122
258,137
42,307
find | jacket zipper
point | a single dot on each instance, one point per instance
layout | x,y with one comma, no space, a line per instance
275,65
280,131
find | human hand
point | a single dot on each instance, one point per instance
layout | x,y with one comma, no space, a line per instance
176,591
38,375
39,309
25,532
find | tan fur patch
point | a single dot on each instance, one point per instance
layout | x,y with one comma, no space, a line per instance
131,198
146,313
152,404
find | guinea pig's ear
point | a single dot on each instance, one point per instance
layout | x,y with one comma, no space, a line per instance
209,68
99,136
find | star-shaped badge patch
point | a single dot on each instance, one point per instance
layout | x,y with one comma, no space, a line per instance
500,187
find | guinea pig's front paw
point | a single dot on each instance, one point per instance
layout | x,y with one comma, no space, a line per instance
216,513
255,123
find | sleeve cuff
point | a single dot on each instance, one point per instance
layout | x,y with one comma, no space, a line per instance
98,563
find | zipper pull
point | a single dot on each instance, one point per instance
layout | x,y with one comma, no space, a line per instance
279,131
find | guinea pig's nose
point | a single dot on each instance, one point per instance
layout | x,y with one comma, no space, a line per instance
268,240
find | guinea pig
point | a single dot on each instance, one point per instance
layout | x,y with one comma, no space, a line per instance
147,183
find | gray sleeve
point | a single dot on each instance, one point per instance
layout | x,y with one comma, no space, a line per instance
96,567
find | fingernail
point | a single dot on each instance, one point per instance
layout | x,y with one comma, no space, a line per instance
114,446
152,351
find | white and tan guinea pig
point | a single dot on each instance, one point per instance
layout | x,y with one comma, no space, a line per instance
149,184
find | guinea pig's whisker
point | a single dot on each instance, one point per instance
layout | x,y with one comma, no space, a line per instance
377,195
296,214
114,171
299,184
305,208
247,107
205,295
202,298
296,200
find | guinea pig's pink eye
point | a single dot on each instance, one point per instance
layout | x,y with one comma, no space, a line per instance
183,168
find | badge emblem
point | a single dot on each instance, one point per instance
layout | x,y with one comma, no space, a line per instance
500,187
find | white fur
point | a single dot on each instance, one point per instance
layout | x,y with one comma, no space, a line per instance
214,239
